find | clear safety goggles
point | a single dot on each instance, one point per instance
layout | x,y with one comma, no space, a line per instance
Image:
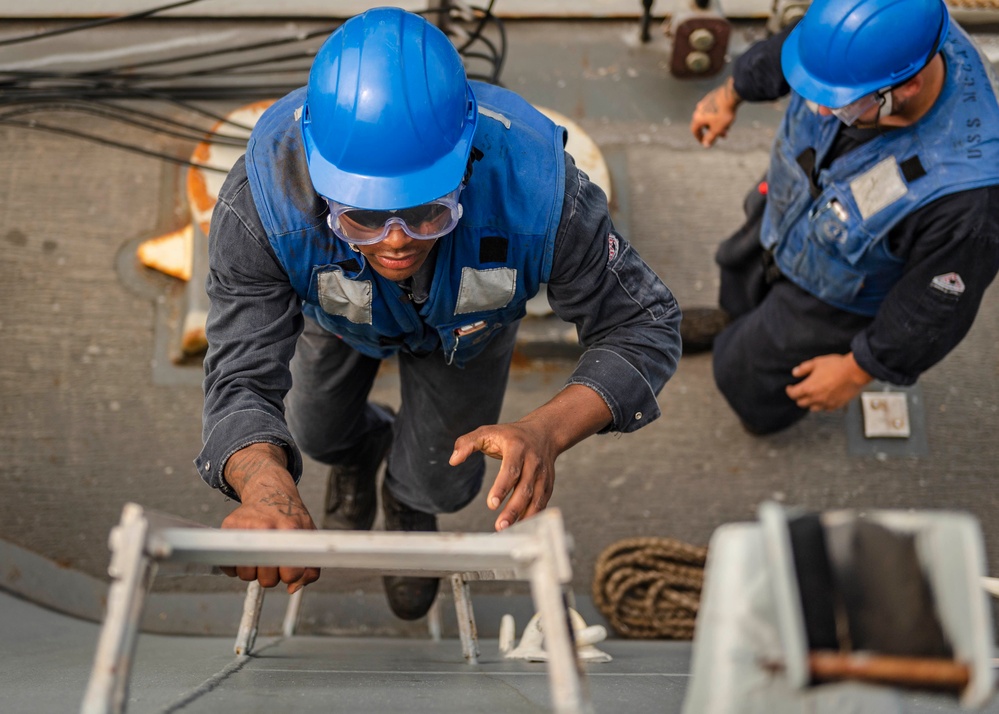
361,226
850,113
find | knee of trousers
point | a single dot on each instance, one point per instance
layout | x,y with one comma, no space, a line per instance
762,408
329,446
321,448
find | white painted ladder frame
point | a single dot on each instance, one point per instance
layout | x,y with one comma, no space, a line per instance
536,550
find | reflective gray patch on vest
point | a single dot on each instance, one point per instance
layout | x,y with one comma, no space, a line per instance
494,115
485,289
346,298
878,187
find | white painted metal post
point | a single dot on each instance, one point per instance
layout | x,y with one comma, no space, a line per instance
250,620
291,614
434,621
564,673
466,619
132,572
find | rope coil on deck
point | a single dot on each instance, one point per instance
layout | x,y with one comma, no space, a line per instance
974,4
649,588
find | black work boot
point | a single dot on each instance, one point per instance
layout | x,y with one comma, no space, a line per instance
351,504
410,598
700,326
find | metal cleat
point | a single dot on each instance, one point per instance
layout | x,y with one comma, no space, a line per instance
700,41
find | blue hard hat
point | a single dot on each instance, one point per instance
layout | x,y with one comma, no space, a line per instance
389,114
843,50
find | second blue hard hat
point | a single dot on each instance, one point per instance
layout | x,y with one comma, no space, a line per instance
389,115
842,50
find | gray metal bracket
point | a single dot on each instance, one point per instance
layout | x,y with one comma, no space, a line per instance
915,444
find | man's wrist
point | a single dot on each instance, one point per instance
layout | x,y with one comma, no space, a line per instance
731,95
858,374
254,466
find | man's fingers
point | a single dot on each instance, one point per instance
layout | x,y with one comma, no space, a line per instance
524,503
539,503
711,134
468,444
506,481
529,496
495,498
515,509
268,577
701,129
804,368
707,129
298,578
798,392
697,128
462,450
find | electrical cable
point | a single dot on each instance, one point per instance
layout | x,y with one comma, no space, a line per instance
111,142
120,114
95,23
207,54
244,72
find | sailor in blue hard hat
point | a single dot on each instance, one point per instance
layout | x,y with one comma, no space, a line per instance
394,209
870,242
851,58
388,140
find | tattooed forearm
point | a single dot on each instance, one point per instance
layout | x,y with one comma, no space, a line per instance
248,463
723,98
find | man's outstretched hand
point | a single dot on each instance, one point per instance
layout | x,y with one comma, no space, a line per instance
527,474
528,449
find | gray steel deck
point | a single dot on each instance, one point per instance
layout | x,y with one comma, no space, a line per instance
46,661
92,415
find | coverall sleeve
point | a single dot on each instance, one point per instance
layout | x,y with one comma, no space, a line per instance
625,316
928,312
254,320
756,73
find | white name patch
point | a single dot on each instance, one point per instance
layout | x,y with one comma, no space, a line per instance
878,187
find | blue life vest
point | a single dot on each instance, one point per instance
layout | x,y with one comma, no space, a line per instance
830,239
487,268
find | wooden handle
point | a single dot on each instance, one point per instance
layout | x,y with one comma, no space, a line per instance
915,672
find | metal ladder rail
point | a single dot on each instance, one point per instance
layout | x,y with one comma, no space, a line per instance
536,550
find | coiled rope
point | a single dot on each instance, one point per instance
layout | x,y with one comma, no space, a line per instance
649,588
974,4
